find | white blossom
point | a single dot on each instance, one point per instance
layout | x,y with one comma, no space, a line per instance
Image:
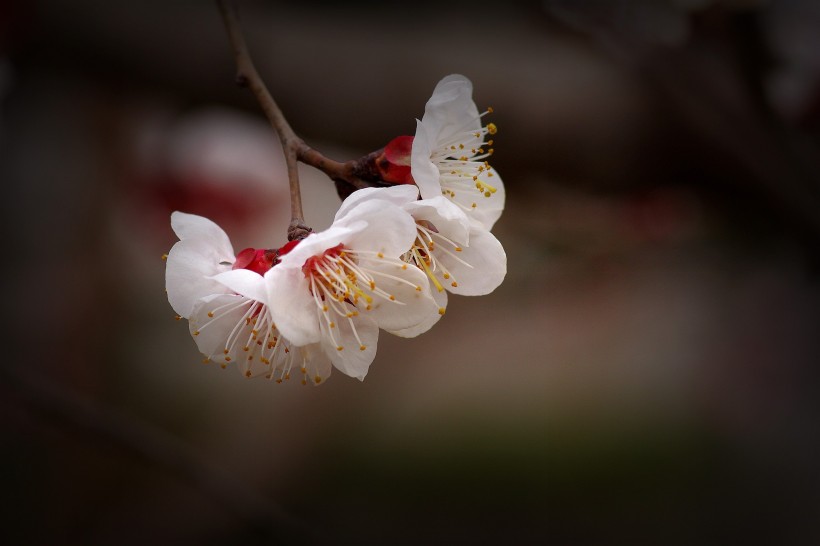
457,255
338,287
226,305
450,153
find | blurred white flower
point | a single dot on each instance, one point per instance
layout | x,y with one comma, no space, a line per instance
224,299
449,154
338,287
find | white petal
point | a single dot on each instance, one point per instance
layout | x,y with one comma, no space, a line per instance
398,195
425,173
413,304
446,216
292,306
487,258
191,226
188,269
451,112
441,301
389,230
487,210
211,333
245,282
352,360
316,363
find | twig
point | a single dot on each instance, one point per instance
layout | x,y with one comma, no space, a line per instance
294,147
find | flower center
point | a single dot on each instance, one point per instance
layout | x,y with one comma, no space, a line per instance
342,286
427,250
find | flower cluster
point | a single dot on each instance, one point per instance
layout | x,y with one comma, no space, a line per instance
386,263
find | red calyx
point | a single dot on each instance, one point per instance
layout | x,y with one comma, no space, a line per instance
394,161
258,260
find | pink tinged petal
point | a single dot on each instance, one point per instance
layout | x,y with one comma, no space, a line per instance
352,346
487,258
191,226
188,269
245,282
440,299
292,306
408,302
398,195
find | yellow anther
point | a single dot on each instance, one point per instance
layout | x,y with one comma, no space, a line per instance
248,373
225,351
246,348
490,110
418,289
340,348
223,366
278,379
446,275
332,325
227,359
458,249
461,146
164,257
210,314
454,284
206,360
392,297
380,255
324,308
404,266
196,332
362,347
487,194
317,379
491,128
441,310
177,317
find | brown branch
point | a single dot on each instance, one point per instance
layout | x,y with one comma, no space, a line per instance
294,147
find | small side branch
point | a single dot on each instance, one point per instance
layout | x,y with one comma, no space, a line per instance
294,148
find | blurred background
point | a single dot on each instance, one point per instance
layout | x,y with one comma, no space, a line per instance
648,372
